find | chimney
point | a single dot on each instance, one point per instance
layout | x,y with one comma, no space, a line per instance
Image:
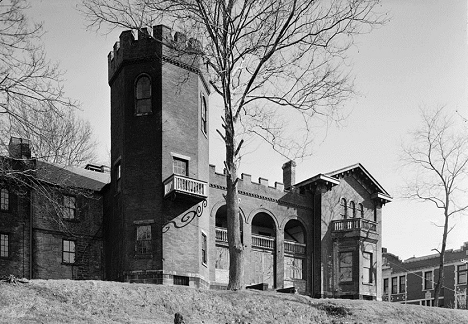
289,174
18,148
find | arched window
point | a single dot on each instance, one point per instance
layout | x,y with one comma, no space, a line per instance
361,210
204,109
352,206
143,95
344,208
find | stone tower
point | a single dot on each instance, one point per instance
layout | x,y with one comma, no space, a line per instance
156,222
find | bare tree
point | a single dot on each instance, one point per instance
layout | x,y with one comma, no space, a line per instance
277,64
63,139
28,81
437,156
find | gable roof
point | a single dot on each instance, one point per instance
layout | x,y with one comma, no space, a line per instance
71,176
358,168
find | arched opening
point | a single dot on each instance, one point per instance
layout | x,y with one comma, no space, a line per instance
294,255
263,249
222,250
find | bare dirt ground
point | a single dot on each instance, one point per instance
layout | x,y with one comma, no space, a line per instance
66,301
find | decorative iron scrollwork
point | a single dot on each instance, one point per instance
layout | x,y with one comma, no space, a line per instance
187,218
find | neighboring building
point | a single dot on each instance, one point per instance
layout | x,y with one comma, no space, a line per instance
413,281
50,218
164,214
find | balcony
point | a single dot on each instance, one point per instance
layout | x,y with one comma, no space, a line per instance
177,185
355,227
291,247
263,242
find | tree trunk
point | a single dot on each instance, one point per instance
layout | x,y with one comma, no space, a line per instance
236,248
441,276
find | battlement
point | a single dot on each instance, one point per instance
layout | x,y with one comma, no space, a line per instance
245,181
159,42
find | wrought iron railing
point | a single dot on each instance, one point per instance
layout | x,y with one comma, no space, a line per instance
354,223
186,185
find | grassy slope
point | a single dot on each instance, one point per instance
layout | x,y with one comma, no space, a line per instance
64,301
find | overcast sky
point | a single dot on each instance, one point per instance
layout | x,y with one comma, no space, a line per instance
418,59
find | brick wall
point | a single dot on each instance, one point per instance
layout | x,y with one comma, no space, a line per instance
50,229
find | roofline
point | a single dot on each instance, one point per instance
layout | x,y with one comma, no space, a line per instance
359,165
318,177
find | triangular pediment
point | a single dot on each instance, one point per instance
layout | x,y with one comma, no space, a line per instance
364,178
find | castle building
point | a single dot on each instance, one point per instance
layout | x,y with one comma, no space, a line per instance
413,281
163,217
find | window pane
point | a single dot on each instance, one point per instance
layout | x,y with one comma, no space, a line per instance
367,267
143,95
4,245
143,88
4,199
143,242
69,207
394,285
428,280
346,266
143,106
68,251
462,274
180,167
402,284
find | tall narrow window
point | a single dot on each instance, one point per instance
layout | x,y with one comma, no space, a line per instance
395,285
69,207
204,249
402,284
375,213
204,109
461,274
367,267
118,176
352,206
143,241
361,210
428,280
4,245
4,199
68,251
143,95
180,166
344,208
385,286
346,266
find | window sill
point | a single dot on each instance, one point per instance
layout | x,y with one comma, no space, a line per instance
143,256
68,264
368,283
142,114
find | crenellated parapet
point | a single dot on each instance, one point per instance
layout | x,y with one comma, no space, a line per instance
157,43
260,190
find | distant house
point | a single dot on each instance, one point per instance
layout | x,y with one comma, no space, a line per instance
50,218
163,211
413,281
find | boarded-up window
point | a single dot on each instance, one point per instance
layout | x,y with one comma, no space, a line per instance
293,268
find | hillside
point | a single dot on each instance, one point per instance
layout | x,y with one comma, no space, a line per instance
65,301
